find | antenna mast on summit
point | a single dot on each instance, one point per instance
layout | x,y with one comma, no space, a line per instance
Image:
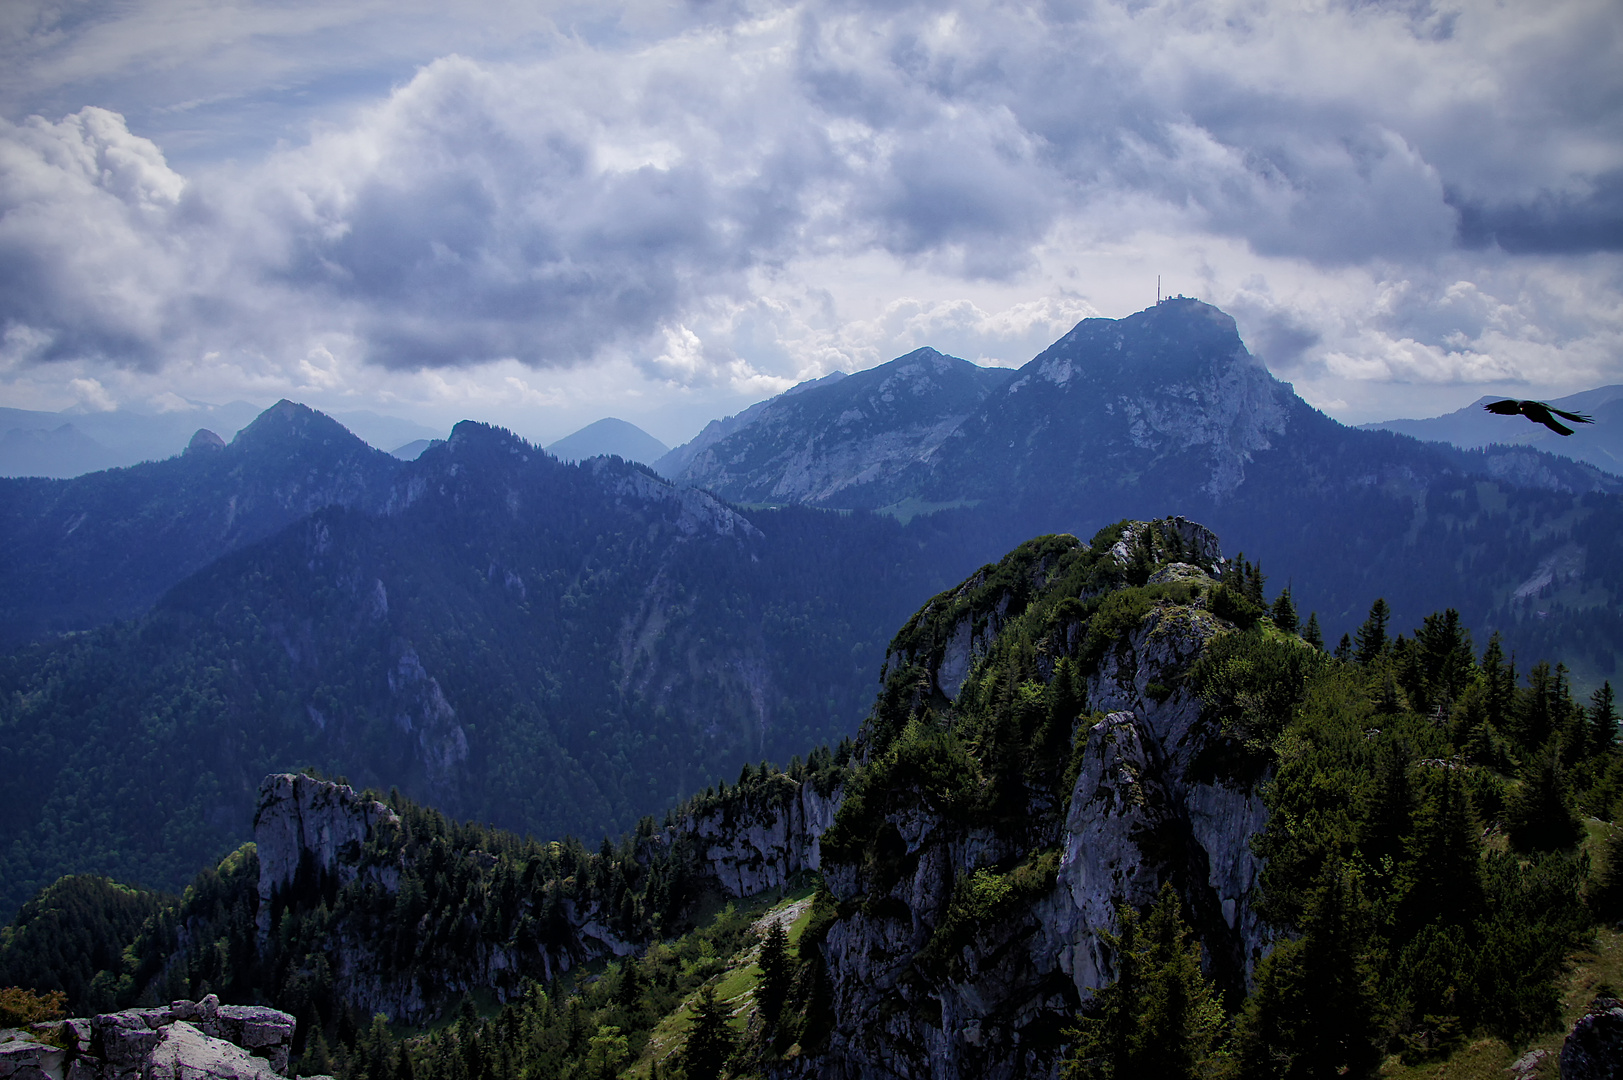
1157,290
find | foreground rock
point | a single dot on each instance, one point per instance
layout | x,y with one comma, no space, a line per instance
1594,1046
187,1040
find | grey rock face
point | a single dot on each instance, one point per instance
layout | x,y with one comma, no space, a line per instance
1140,813
24,1057
845,442
301,818
188,1040
185,1053
747,844
1593,1049
766,839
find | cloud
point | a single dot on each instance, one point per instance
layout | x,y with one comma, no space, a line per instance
1568,222
724,198
90,260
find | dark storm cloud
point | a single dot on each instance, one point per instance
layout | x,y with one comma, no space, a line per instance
647,169
1549,224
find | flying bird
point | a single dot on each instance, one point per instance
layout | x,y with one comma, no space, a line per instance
1538,412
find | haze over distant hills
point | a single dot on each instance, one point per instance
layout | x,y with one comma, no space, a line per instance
1600,444
75,442
609,436
559,648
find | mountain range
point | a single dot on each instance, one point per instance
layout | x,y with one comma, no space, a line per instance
1166,411
78,441
564,648
1109,808
609,436
552,647
1600,444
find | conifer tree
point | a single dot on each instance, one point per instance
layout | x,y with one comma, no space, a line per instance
1441,875
1161,1017
1254,582
1443,660
1606,891
1344,648
1387,805
1537,814
1602,720
631,986
775,971
1314,1012
1284,612
1311,633
1372,635
1499,679
1536,709
710,1041
317,1056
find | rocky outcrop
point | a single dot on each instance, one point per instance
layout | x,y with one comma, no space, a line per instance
850,441
759,839
187,1040
1593,1049
920,991
319,826
319,835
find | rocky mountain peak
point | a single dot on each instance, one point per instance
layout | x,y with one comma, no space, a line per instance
1171,386
287,423
204,440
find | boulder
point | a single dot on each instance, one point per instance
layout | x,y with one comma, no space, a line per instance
185,1040
1594,1047
185,1053
24,1057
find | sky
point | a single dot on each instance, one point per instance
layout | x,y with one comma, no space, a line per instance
541,213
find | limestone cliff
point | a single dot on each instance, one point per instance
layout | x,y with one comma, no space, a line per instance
318,826
761,837
964,932
364,875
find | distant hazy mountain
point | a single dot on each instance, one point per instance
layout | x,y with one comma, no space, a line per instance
1600,444
609,436
385,431
107,544
59,451
36,444
72,443
414,449
675,463
846,442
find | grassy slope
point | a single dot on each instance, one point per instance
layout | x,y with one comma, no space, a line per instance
735,987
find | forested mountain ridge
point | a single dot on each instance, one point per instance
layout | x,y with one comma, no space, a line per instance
554,648
1113,812
106,545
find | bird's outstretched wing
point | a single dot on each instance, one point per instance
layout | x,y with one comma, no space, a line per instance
1576,418
1539,413
1504,408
